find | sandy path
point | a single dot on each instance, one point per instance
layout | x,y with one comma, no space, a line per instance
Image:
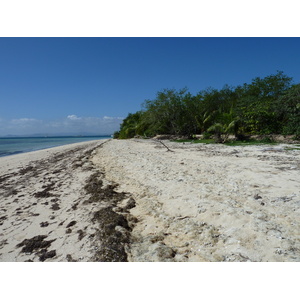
208,202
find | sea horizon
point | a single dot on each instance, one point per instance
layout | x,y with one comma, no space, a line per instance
12,145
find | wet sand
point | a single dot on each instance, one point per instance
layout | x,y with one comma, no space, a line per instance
132,200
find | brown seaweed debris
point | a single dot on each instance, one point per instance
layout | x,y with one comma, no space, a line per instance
2,219
39,245
112,240
81,234
44,224
70,258
35,243
113,233
72,223
46,192
55,206
98,192
44,254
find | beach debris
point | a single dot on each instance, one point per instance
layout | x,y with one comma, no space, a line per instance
159,141
37,242
113,233
46,192
74,207
127,204
34,214
99,192
37,245
3,242
2,220
257,196
81,234
44,254
55,206
71,224
112,240
44,224
70,258
182,218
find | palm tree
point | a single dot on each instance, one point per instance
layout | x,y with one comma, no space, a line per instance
225,124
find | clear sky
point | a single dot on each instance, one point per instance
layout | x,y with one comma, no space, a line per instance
87,85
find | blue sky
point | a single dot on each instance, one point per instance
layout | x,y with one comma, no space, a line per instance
87,85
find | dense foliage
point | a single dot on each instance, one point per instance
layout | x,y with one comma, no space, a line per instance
269,105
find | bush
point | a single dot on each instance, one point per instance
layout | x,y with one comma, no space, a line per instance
116,134
206,135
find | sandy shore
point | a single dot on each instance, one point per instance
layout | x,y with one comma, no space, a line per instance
208,202
132,200
40,193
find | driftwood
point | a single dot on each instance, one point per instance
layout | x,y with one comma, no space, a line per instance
159,141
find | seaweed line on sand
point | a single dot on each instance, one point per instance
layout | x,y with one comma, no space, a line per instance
114,223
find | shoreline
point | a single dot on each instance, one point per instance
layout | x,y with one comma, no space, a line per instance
28,157
17,151
46,209
132,200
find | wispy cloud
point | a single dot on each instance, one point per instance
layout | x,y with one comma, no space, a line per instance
112,118
24,121
71,124
74,117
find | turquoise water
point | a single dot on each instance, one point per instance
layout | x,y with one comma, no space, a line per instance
11,146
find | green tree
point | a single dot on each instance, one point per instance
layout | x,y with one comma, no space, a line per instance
130,126
257,103
226,124
217,104
172,112
266,105
289,110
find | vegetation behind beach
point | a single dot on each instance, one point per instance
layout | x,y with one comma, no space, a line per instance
269,105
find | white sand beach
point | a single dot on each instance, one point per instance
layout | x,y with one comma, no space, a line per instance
40,192
132,200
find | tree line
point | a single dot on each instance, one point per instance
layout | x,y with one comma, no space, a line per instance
269,105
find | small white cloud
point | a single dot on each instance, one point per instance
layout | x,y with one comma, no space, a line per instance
73,117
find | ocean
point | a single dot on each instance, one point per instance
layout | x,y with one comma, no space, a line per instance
16,145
